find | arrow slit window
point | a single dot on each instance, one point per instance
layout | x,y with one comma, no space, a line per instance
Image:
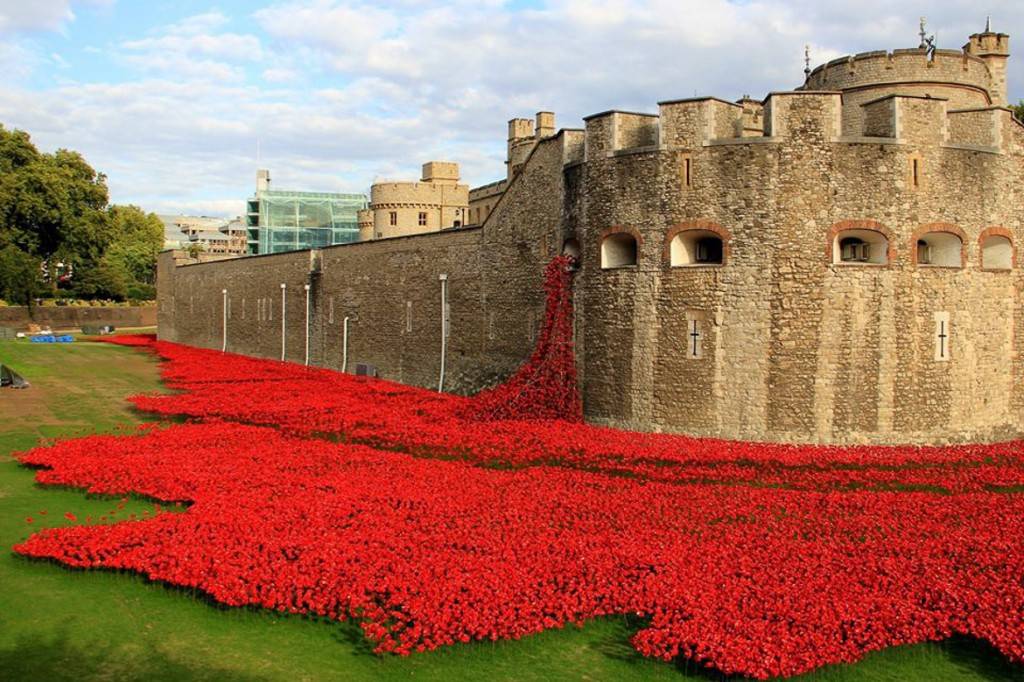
943,337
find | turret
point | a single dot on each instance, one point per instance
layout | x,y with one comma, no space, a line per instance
994,49
520,141
545,124
440,173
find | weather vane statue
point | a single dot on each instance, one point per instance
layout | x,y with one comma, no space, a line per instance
807,61
927,42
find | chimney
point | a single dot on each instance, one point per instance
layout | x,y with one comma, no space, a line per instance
262,180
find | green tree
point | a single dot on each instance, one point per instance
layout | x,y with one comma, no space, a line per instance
53,207
105,279
54,210
1018,110
137,238
20,276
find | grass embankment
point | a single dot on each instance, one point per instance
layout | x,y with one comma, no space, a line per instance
58,624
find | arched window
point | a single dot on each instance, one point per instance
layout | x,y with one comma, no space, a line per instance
618,250
860,247
996,252
940,249
696,247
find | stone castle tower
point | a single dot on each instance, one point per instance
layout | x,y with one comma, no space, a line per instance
835,263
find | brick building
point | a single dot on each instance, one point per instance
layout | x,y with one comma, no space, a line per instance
835,263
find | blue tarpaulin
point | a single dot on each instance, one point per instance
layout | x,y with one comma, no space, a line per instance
50,338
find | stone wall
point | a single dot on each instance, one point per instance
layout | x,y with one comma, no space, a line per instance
390,291
794,347
73,317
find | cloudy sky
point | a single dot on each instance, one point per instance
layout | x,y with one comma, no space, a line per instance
174,99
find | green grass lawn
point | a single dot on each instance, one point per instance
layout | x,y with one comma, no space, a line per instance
58,624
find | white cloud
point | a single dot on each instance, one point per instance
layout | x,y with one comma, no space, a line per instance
19,61
193,49
338,93
39,15
281,75
199,24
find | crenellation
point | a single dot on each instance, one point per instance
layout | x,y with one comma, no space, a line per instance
975,127
599,131
726,119
803,112
683,123
573,143
751,120
630,131
690,123
880,118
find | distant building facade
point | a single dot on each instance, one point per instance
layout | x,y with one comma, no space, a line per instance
210,234
282,220
438,201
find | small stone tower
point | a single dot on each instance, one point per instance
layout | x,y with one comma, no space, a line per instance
994,49
520,142
545,125
523,136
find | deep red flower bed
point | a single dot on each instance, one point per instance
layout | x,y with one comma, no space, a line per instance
309,401
752,558
426,553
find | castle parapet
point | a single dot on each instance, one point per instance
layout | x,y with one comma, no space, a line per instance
970,78
573,144
913,119
689,123
751,123
523,136
965,75
611,131
980,129
803,113
880,117
921,120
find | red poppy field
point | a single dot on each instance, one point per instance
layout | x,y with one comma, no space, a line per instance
432,519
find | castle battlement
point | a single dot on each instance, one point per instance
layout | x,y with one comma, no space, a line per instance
905,116
900,65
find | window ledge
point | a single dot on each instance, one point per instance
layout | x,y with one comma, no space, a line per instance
860,265
685,266
929,266
996,269
619,267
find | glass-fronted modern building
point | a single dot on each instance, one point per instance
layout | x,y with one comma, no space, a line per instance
280,220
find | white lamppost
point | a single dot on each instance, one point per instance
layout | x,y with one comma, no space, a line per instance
344,345
283,302
224,325
306,287
444,328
